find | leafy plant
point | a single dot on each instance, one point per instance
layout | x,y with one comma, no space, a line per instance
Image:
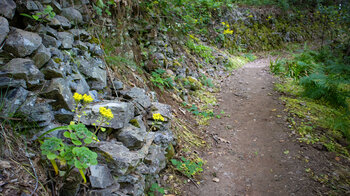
43,16
155,188
187,167
159,79
206,81
75,151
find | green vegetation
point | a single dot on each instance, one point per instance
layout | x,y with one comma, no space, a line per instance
154,189
319,82
74,152
43,16
160,80
187,167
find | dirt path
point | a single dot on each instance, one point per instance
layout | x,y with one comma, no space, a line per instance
254,154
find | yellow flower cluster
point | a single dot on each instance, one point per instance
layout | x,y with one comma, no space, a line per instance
85,98
107,113
158,117
227,31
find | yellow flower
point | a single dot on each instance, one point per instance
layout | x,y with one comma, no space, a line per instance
227,25
223,23
106,113
158,117
228,31
77,97
87,98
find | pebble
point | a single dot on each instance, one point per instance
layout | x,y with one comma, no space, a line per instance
216,180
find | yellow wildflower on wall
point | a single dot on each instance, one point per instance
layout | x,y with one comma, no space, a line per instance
77,97
158,117
87,98
107,113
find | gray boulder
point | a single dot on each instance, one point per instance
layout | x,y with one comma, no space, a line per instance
78,84
94,71
41,56
7,8
7,82
53,70
25,69
59,21
37,110
118,85
50,41
156,159
123,112
132,184
139,96
164,109
4,29
72,15
132,137
31,6
58,89
100,177
66,40
56,6
118,157
12,100
22,43
81,45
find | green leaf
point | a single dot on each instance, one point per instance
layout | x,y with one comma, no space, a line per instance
77,142
103,129
66,134
88,140
51,156
35,17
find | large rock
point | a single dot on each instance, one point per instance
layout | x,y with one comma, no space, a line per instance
25,69
53,70
94,71
72,15
132,137
78,84
4,28
59,21
22,43
139,96
7,8
118,157
37,110
100,176
66,40
41,56
132,184
58,89
12,100
123,112
7,82
50,41
164,109
156,159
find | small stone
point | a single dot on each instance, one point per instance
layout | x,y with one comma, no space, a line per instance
50,41
66,39
7,8
72,15
5,164
22,43
100,176
41,56
4,28
216,180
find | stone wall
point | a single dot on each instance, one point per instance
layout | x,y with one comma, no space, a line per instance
42,63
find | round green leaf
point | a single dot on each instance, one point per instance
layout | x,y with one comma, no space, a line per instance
77,142
66,134
88,140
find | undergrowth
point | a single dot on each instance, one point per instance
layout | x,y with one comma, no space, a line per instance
316,85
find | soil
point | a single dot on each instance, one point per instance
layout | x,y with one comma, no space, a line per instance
253,151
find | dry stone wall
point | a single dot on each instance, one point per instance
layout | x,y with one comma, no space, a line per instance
42,63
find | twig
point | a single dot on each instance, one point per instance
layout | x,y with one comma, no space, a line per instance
9,118
5,137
